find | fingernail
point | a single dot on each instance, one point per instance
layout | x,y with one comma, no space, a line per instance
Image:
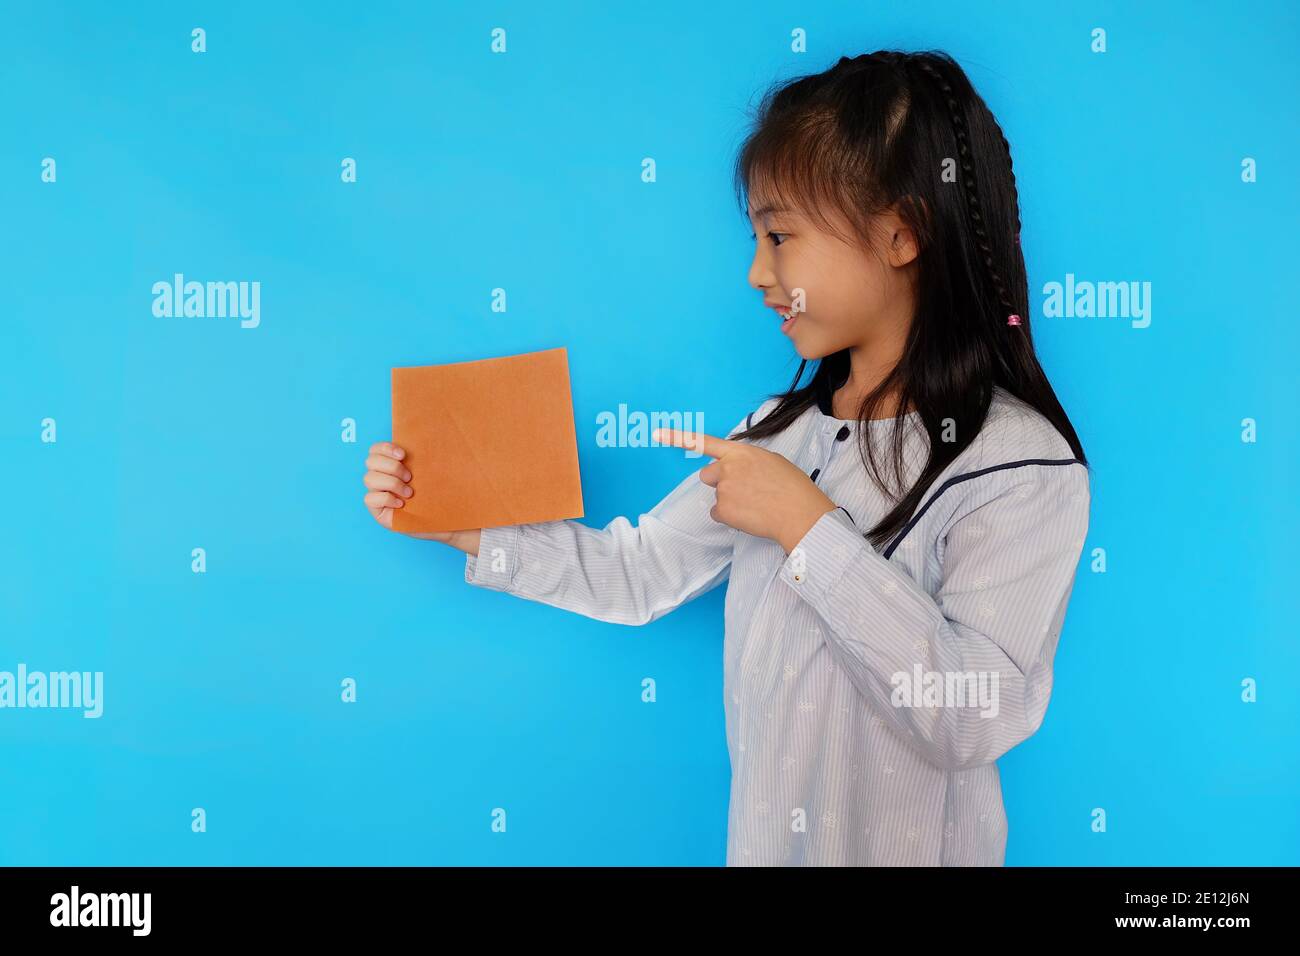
408,491
399,453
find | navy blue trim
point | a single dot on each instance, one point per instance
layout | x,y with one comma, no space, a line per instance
957,479
749,418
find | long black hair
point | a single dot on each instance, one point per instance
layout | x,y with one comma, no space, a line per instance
908,131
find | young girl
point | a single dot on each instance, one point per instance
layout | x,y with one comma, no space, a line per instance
890,632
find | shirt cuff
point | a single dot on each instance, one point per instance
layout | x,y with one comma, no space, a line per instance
497,561
823,554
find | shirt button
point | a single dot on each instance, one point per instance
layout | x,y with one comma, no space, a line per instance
842,434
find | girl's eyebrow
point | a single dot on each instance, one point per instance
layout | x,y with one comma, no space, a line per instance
768,210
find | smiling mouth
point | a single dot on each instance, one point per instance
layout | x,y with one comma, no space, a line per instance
787,319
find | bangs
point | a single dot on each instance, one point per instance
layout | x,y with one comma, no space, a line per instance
803,157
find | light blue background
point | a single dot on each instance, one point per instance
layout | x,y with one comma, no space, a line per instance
523,171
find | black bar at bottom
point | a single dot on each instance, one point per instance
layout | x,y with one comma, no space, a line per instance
335,904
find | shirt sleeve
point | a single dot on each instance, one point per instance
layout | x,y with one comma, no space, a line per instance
1009,561
622,573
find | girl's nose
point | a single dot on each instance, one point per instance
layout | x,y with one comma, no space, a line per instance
760,275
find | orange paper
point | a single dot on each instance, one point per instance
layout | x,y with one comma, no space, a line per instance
488,443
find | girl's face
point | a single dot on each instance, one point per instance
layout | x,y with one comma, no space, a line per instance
850,297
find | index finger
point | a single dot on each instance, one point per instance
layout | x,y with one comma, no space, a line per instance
694,441
389,449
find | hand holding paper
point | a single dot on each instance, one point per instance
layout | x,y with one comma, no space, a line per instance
488,443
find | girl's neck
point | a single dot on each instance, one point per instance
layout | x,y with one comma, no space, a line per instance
846,404
874,357
866,371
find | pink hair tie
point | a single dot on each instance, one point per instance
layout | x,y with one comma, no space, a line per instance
1013,320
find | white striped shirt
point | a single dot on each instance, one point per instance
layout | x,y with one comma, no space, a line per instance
827,768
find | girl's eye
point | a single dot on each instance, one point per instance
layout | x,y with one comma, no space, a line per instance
770,235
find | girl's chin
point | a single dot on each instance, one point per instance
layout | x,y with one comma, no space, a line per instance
807,343
808,351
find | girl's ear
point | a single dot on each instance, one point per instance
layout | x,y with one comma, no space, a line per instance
903,245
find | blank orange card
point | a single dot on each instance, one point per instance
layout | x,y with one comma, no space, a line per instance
488,443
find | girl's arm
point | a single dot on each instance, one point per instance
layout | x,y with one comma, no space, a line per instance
622,573
1012,549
